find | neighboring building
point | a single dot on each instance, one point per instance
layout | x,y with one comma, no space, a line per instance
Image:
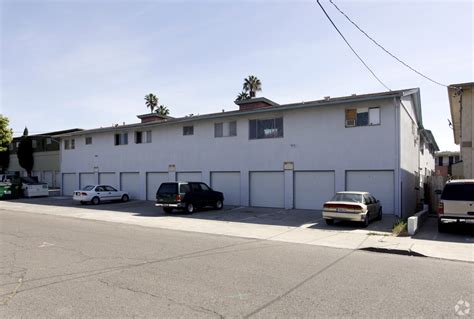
462,115
265,154
445,161
45,154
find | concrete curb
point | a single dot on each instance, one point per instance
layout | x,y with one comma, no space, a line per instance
415,221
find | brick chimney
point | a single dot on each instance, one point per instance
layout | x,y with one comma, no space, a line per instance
152,117
255,103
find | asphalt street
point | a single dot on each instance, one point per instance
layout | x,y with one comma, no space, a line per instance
54,266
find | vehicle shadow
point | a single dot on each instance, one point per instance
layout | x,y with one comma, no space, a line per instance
455,232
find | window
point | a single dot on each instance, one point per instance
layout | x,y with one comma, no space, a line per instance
138,137
204,187
34,143
88,140
456,159
148,136
100,189
269,128
69,144
109,188
121,139
458,191
188,130
73,144
184,188
450,160
440,161
196,188
48,140
363,116
225,129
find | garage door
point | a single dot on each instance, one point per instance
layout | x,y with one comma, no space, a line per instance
153,182
69,184
267,189
378,183
130,183
48,178
108,179
229,184
189,176
313,188
86,179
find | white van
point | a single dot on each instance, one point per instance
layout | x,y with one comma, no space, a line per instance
456,203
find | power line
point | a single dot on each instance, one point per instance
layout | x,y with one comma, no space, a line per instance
354,51
380,46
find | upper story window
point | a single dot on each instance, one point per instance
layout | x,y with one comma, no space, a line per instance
142,137
34,143
225,129
362,116
48,140
121,139
88,140
188,130
69,144
268,128
440,161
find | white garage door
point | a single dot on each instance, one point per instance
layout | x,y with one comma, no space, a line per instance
108,179
313,188
69,184
48,178
86,179
378,183
153,182
267,189
130,183
229,184
189,176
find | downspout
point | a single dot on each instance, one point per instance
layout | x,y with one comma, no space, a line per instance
397,188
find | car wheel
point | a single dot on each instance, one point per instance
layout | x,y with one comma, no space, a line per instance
190,208
379,216
125,198
329,221
168,210
95,200
365,223
441,226
218,205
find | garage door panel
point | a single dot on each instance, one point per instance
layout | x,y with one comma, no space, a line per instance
153,182
378,183
229,184
68,184
267,189
108,179
313,188
86,179
48,178
130,183
189,176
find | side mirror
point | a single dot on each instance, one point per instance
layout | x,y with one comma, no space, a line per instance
438,192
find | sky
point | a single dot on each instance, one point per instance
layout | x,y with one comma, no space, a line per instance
88,64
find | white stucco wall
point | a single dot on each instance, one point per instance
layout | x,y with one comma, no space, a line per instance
314,139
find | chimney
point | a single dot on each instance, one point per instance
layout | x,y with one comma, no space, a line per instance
153,117
255,103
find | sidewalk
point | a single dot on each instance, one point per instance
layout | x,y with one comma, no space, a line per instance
303,227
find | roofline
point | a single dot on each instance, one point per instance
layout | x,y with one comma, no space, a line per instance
255,100
279,108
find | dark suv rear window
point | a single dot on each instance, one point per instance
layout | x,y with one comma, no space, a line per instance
464,192
168,188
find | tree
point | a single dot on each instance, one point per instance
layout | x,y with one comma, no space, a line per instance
163,110
25,153
6,137
151,101
242,96
252,85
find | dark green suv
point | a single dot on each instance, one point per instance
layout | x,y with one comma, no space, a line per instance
187,196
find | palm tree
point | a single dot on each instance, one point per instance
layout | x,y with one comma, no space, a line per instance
252,84
151,101
163,110
242,96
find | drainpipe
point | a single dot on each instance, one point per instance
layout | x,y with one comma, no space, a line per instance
397,188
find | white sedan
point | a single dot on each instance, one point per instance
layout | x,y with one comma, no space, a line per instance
353,206
98,193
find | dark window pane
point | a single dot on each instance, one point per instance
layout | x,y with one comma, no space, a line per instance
279,126
168,188
451,160
184,188
253,129
117,139
138,137
233,128
266,128
196,188
363,119
125,138
440,161
464,192
204,187
218,130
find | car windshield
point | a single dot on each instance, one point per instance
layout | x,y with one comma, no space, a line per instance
347,197
168,188
88,188
458,191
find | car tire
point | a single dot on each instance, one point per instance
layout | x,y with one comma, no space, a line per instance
168,210
379,216
218,205
441,226
125,198
365,223
329,221
190,208
95,200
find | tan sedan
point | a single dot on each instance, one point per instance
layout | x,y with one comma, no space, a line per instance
352,206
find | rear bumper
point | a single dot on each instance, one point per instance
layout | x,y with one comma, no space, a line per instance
82,198
177,205
345,216
458,218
